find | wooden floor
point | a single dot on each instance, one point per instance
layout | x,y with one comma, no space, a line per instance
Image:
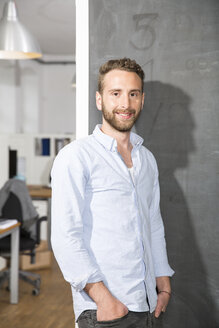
52,308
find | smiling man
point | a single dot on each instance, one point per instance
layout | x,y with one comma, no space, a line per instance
107,230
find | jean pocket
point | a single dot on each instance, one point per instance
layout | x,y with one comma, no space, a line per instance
113,323
86,319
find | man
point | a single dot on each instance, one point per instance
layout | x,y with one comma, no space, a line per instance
107,231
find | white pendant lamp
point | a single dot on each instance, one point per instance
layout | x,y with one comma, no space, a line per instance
16,42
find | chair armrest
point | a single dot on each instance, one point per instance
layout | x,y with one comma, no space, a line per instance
38,223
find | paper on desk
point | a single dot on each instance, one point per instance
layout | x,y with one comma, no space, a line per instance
6,223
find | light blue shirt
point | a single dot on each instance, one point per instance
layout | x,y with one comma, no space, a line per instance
104,226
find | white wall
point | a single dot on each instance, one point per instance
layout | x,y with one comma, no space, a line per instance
7,97
82,69
29,74
57,110
36,98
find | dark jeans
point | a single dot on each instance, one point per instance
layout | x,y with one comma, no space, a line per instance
88,319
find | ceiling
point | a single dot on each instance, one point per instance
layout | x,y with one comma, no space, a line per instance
52,22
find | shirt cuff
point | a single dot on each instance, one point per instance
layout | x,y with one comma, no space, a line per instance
163,270
79,286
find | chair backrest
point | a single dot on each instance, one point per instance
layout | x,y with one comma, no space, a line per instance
16,203
12,208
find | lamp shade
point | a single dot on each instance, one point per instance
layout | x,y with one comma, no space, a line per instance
16,42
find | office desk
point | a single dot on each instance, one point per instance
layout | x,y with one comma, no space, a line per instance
14,273
40,192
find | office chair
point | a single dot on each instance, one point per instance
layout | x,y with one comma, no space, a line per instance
12,209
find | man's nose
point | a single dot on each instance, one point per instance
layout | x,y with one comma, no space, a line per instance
124,101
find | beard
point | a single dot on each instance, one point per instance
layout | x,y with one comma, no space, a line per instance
114,122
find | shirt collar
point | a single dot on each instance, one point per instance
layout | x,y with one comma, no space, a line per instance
110,143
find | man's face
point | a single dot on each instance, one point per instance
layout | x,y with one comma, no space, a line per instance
121,100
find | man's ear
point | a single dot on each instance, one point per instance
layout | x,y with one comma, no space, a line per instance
98,100
142,101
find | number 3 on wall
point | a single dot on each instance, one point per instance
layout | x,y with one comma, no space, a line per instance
144,35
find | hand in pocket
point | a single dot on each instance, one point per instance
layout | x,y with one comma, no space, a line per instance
111,309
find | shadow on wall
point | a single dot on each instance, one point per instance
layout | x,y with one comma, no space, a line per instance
167,125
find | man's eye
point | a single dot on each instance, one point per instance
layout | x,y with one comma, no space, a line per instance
115,94
134,94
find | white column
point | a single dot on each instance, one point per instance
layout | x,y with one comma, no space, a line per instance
82,68
14,266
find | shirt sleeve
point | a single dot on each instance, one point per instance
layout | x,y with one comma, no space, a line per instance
158,243
69,178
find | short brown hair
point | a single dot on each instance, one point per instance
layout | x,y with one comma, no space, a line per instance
123,64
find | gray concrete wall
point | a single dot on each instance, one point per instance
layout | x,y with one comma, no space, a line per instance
177,43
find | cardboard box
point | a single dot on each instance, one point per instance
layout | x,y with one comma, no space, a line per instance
43,258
